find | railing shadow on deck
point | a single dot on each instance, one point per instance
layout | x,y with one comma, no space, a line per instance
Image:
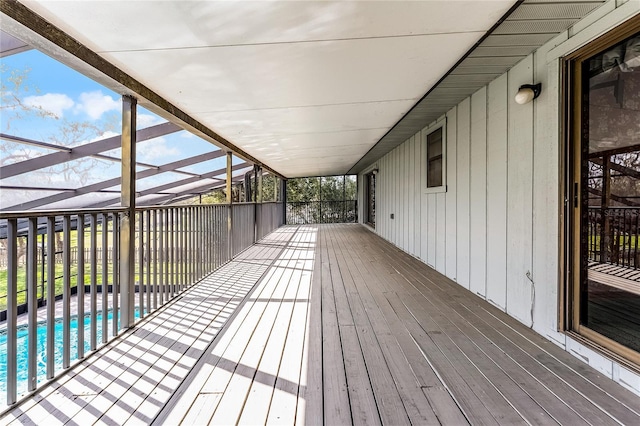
227,290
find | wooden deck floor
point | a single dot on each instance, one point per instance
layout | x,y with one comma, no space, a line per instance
342,328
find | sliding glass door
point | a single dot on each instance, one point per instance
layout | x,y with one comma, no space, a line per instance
605,158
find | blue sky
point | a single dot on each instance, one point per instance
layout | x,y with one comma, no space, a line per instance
72,97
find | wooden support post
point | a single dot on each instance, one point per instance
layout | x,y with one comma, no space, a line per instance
283,199
127,219
605,238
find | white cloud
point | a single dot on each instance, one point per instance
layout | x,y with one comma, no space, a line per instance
155,149
104,135
54,103
147,120
96,103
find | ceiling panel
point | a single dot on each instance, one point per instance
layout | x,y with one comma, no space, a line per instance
298,74
310,87
262,74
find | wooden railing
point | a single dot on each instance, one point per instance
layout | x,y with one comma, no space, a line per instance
613,234
78,257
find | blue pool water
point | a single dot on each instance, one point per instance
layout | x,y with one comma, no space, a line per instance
41,343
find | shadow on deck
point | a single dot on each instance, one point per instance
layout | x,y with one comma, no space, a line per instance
332,325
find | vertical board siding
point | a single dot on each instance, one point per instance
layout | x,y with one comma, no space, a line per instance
397,207
396,190
412,196
519,195
441,215
424,206
497,191
463,208
546,198
451,237
384,180
407,195
431,232
417,178
478,193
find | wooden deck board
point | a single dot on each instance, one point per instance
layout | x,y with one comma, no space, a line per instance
412,400
330,325
336,407
309,408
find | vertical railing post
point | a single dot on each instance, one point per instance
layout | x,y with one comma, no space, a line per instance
127,219
229,202
344,198
105,276
156,260
283,198
66,291
32,304
149,263
80,283
51,295
605,238
12,311
255,201
93,285
259,213
143,268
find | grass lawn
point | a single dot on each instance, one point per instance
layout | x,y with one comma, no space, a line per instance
22,281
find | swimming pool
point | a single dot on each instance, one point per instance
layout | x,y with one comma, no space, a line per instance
41,343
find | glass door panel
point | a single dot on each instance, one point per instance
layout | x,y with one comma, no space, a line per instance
608,295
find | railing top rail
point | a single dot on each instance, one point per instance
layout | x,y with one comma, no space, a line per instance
615,208
176,206
321,201
63,212
59,212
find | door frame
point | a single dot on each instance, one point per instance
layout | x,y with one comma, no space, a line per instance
572,266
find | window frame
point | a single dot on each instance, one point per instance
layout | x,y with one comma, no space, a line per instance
428,131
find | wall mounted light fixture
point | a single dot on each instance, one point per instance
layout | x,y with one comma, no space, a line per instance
527,93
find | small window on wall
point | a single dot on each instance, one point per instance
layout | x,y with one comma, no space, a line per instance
435,160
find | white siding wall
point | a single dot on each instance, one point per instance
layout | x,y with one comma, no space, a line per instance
496,229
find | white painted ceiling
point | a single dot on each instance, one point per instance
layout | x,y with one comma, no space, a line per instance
306,87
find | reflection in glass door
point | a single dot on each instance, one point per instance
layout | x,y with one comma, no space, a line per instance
606,297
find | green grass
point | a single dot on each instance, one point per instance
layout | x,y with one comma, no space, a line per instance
59,281
623,241
42,242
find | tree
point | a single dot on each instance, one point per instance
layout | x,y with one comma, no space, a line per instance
325,199
15,90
